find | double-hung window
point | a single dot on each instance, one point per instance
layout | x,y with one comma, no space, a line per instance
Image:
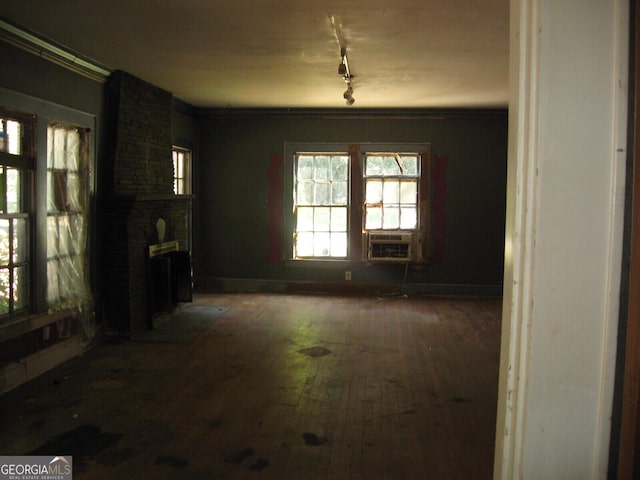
45,202
344,192
67,214
321,205
391,191
16,161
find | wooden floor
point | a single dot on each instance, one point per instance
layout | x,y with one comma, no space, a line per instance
277,386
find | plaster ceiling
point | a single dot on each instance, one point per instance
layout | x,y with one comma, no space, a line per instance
285,53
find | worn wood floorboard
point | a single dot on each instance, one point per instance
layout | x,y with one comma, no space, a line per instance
281,387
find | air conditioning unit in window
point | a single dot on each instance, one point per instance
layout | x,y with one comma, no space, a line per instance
389,247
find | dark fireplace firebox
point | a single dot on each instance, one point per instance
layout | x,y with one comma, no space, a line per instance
169,278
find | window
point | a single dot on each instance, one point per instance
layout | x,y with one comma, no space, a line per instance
182,165
16,159
11,136
343,192
321,205
391,191
181,171
67,209
45,204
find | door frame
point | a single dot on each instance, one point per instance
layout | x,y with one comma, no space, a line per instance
628,455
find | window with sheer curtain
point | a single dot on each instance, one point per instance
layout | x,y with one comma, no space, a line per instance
67,211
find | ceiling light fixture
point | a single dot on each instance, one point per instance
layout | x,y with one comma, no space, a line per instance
348,95
345,73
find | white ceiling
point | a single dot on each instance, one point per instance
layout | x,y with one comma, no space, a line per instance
285,53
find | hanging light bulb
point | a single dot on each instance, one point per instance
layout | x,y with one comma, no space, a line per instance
348,95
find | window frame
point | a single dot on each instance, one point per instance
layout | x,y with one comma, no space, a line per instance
23,162
69,237
383,178
185,176
43,114
314,205
357,233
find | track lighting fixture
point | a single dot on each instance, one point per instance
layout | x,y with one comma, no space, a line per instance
345,73
343,68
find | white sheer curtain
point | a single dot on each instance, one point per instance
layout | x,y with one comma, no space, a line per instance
67,215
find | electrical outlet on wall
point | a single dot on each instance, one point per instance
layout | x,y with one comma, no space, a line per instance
347,275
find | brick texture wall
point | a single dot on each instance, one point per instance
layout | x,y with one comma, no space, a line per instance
138,186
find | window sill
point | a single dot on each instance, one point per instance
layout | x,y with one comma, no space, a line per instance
23,324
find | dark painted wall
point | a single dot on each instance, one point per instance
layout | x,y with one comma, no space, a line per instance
184,125
235,154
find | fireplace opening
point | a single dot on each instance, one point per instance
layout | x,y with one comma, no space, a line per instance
169,278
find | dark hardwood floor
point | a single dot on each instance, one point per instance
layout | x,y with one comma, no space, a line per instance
276,386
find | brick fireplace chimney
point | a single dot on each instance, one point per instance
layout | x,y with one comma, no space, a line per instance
137,181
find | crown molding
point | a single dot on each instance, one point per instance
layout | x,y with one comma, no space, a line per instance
52,51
